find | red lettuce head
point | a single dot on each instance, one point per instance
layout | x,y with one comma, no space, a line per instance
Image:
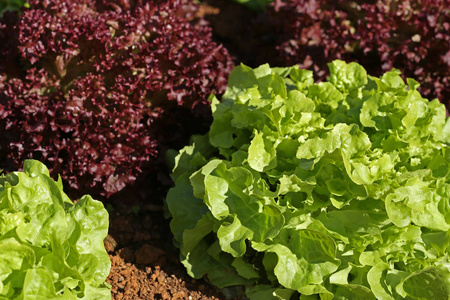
412,36
84,86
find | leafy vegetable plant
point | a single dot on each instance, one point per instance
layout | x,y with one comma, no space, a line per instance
49,247
337,189
90,88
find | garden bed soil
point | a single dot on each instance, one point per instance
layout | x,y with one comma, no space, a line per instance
144,262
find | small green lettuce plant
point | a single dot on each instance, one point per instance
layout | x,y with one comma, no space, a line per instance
49,247
330,190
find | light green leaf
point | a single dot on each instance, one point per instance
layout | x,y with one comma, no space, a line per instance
215,196
218,269
304,257
347,77
350,139
244,269
325,96
38,285
249,215
301,77
375,277
272,85
414,202
191,237
192,157
221,133
430,283
298,102
259,157
178,198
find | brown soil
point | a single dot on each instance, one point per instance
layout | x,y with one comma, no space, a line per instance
144,262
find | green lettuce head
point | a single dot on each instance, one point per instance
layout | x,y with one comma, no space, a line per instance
331,190
49,247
